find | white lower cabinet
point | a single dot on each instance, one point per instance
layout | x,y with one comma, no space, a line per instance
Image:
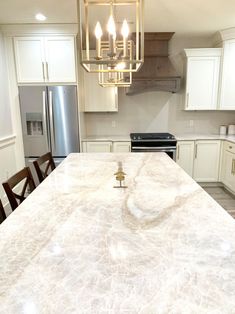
121,147
106,147
228,166
185,156
206,161
97,147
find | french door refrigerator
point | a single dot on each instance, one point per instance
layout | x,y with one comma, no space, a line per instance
49,117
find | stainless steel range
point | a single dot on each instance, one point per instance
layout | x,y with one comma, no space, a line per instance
154,142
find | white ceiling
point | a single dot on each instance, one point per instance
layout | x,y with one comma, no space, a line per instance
194,17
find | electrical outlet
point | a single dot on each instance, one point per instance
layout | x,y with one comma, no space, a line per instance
113,124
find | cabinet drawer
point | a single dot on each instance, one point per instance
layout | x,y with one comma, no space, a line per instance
230,147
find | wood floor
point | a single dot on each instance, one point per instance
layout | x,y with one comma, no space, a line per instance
223,197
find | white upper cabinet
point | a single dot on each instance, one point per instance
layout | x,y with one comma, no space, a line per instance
97,98
60,58
45,59
185,156
202,78
227,99
207,161
29,58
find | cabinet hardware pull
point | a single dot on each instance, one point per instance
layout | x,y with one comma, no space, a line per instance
196,151
187,100
233,167
230,147
43,71
47,71
178,152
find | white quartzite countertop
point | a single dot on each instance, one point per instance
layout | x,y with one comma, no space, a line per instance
77,245
179,137
195,137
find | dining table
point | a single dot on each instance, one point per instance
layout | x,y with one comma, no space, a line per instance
81,244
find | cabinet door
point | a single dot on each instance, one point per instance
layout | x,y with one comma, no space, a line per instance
29,58
60,59
97,98
227,100
185,156
98,147
206,162
228,169
121,147
202,83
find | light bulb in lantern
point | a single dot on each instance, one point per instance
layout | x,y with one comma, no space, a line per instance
111,26
125,34
121,66
98,35
98,31
112,36
125,29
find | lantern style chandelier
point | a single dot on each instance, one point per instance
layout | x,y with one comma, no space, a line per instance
111,39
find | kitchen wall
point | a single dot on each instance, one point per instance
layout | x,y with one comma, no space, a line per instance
8,164
5,112
159,111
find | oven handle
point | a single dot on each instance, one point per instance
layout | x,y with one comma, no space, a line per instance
169,148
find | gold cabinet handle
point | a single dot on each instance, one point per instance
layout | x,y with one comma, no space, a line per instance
233,167
196,151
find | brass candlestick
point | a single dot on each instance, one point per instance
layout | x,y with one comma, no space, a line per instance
120,176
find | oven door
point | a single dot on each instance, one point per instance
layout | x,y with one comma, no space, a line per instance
169,150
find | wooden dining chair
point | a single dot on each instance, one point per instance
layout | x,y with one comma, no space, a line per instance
2,213
23,177
44,165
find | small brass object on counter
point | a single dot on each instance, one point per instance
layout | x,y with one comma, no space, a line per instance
120,176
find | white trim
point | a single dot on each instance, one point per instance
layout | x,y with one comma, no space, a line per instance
39,29
7,141
203,52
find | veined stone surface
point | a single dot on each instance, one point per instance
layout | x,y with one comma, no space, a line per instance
77,245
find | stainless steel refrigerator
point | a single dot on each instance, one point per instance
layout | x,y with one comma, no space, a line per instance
49,117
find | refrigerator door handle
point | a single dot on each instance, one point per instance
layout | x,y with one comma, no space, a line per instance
45,118
52,121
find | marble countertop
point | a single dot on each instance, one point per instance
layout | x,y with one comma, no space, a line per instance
194,137
78,245
179,137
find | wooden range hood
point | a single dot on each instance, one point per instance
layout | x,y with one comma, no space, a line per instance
157,73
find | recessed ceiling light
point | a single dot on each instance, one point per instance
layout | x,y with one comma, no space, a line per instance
40,17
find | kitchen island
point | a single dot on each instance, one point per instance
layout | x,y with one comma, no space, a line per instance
78,245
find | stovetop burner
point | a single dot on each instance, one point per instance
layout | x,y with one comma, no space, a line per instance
151,136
